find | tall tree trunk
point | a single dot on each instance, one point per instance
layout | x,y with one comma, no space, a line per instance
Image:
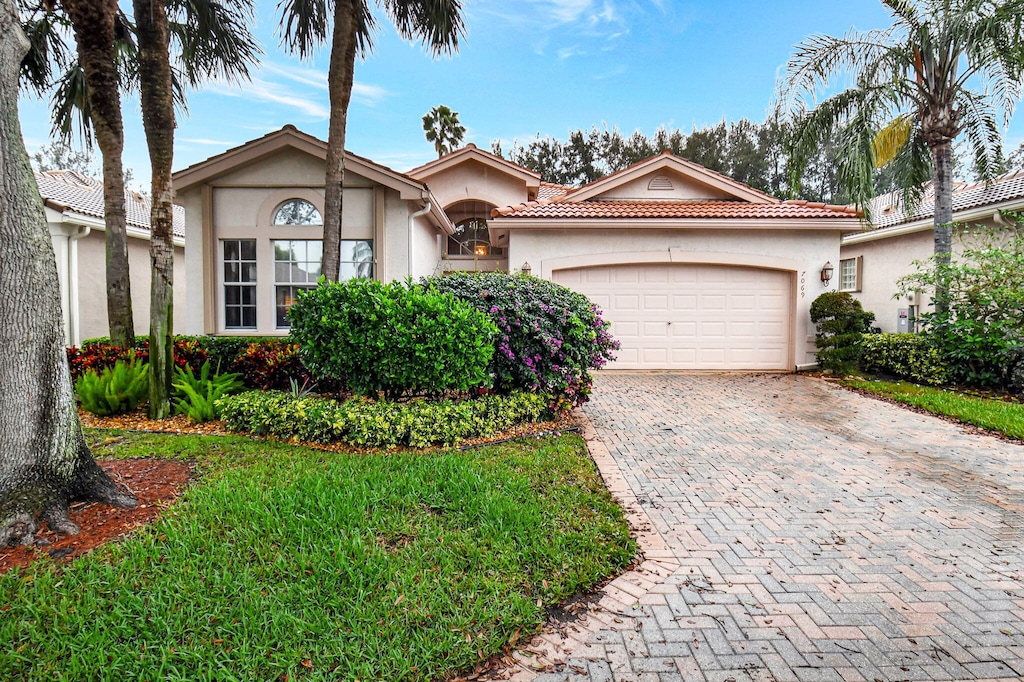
942,162
158,121
339,79
94,27
45,463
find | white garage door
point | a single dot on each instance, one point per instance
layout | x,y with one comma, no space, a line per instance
691,316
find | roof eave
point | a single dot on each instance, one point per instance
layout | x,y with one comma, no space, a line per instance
838,224
928,222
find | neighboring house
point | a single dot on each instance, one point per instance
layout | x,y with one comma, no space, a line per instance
254,228
74,212
873,260
693,269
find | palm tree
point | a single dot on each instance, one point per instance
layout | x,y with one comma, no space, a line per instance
92,84
944,68
441,126
304,24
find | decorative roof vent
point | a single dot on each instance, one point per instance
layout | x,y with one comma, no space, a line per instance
660,182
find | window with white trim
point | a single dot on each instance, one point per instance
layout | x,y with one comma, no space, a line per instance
296,267
849,274
356,259
239,283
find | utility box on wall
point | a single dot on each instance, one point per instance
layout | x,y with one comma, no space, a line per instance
903,320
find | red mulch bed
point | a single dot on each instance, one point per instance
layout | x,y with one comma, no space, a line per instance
155,482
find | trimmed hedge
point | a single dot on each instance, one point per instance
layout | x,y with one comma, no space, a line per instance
397,338
367,423
841,322
906,356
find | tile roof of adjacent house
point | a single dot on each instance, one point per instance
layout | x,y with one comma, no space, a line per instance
70,191
887,209
680,209
549,190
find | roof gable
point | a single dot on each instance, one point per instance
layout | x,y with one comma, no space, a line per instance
289,137
669,177
473,153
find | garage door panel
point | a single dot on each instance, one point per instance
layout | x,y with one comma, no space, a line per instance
689,316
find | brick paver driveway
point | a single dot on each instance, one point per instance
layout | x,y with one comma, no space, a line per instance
806,533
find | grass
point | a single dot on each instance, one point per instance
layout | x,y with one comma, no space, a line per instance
996,415
285,560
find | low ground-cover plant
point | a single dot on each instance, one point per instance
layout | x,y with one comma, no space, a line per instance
841,323
114,390
196,396
394,338
288,562
549,339
378,423
100,354
906,356
989,413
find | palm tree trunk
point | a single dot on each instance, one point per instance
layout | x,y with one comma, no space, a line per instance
339,78
158,121
93,24
45,463
942,162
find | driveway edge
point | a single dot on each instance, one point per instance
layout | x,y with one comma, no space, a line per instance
549,650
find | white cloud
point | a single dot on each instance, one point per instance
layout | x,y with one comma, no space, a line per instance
263,91
368,94
567,52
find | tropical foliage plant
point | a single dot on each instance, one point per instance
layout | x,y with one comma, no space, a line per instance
442,128
114,390
196,396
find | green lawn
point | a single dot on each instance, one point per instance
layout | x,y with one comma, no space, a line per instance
289,560
997,415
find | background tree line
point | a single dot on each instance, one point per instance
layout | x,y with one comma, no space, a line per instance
756,154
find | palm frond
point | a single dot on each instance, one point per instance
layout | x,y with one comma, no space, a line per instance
47,51
303,26
212,39
438,23
983,134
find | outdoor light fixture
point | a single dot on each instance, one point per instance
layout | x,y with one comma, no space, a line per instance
480,250
526,269
826,273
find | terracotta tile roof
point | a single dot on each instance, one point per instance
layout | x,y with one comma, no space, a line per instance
549,190
673,209
67,190
887,209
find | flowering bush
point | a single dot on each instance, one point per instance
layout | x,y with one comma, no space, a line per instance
550,337
398,338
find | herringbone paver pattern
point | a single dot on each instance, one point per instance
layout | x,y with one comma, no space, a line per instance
801,532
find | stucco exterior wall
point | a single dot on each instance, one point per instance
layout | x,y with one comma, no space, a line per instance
887,260
475,180
801,252
92,288
682,188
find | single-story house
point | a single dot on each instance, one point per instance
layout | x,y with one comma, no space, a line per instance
254,228
693,269
74,212
873,260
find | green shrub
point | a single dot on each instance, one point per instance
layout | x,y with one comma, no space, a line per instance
378,423
550,337
906,356
841,323
196,396
396,338
978,328
114,390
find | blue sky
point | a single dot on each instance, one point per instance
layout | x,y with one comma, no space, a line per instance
525,67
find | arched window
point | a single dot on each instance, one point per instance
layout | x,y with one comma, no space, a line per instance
471,239
297,212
